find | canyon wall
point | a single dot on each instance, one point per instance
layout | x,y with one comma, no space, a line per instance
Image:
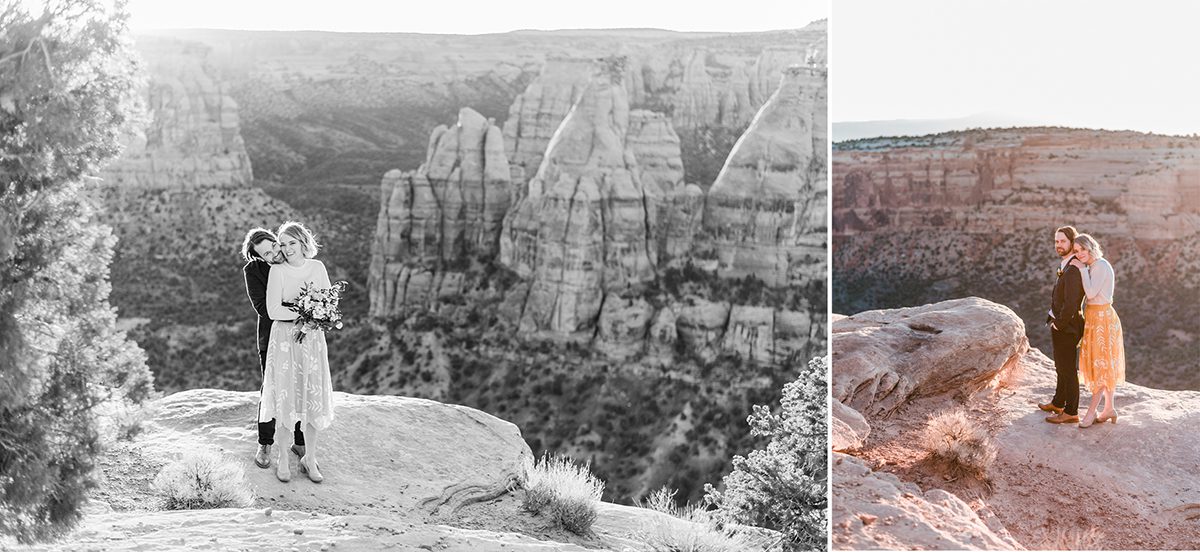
974,212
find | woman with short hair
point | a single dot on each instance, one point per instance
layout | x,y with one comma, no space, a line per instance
1102,349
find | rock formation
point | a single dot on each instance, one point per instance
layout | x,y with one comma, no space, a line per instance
875,510
411,473
192,139
443,214
538,112
1126,481
765,213
583,228
1006,180
949,347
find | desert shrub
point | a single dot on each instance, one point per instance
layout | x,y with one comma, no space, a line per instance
784,485
567,492
699,534
957,439
203,480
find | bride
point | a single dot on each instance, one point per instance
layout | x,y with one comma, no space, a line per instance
296,386
1102,349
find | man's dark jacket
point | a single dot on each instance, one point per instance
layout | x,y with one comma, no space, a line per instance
256,272
1067,303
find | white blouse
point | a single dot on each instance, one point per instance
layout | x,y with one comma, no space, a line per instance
285,281
1099,282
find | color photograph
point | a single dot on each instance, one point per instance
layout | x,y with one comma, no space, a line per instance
1015,215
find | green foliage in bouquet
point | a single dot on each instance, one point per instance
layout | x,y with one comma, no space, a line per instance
67,93
784,486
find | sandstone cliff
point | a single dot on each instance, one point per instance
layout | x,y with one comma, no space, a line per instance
401,473
192,139
440,216
583,229
540,109
1128,483
974,213
765,212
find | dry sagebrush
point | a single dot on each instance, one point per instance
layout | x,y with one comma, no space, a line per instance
958,440
203,480
568,493
1073,538
699,534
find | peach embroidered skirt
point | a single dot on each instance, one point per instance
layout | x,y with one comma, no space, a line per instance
1102,349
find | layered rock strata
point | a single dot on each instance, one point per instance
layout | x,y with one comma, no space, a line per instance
1004,180
441,215
583,229
192,139
540,109
765,213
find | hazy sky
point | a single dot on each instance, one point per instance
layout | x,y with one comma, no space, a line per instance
1129,64
476,16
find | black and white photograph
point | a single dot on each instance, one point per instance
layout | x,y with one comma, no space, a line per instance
394,276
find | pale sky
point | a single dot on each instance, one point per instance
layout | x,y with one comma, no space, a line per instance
1128,64
475,16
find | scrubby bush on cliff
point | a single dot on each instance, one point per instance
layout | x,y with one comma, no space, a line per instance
699,534
568,493
203,480
67,90
955,438
784,485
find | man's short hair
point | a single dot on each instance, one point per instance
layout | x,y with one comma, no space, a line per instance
253,238
1068,231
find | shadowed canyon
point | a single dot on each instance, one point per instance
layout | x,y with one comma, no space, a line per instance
613,239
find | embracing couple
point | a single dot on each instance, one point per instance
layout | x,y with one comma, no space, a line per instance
297,391
1086,332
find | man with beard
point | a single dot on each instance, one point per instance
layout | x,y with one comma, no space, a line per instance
1065,319
261,250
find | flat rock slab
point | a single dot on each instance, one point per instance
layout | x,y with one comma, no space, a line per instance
383,454
231,529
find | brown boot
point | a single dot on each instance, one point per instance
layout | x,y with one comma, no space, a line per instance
1049,407
1063,418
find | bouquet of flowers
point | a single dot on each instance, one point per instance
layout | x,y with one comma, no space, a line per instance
318,308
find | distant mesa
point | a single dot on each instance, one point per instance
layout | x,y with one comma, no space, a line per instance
193,139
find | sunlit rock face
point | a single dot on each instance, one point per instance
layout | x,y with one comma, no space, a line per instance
191,138
540,109
765,212
583,228
434,219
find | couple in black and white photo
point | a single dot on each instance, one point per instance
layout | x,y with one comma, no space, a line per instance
297,391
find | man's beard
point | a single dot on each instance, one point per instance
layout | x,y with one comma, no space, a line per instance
1061,252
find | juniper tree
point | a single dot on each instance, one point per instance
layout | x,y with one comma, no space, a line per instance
784,486
67,94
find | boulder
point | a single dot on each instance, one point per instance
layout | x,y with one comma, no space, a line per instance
886,358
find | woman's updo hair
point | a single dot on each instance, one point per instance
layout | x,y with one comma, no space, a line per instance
1089,243
308,243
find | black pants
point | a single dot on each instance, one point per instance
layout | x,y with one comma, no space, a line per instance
266,430
1066,360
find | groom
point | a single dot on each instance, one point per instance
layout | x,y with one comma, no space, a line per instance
261,251
1066,328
